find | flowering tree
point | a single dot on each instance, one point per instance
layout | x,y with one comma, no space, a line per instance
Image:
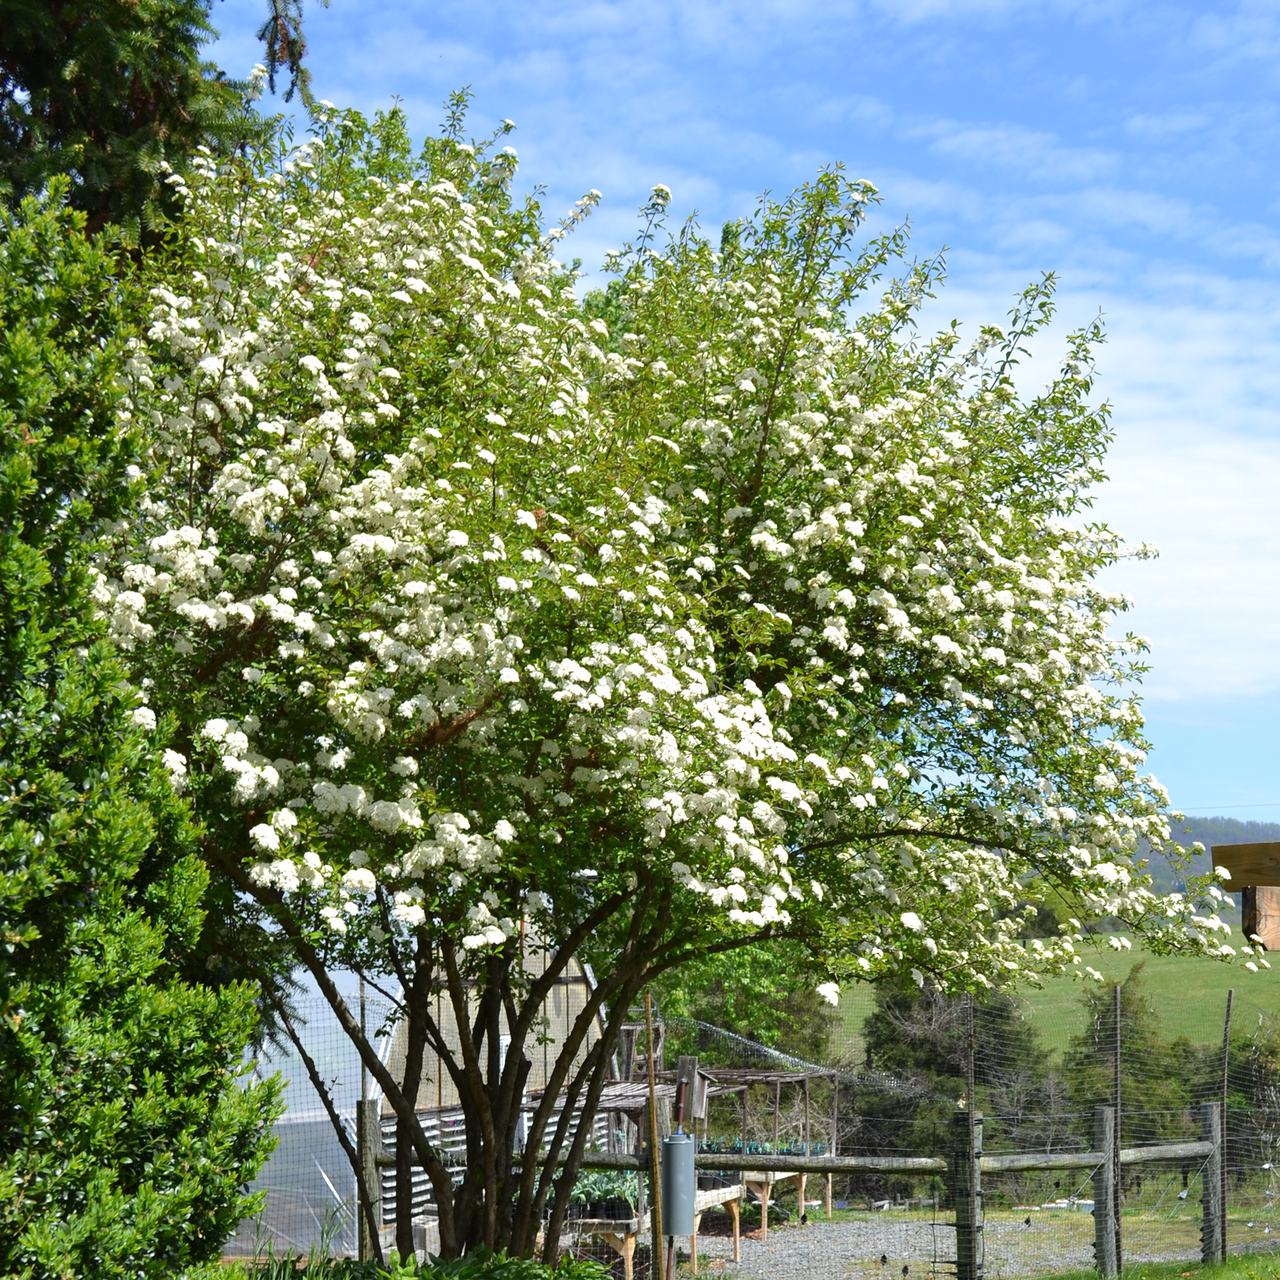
712,609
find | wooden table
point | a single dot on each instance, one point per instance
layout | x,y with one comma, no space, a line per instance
761,1186
621,1234
730,1196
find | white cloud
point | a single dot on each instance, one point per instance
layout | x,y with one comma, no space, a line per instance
1029,153
1192,370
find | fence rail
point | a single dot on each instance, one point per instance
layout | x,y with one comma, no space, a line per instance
789,1163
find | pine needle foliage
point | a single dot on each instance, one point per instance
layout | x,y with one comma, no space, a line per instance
113,94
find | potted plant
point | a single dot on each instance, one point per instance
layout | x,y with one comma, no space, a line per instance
604,1193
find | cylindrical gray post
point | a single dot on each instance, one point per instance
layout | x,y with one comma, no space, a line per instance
1211,1233
679,1185
368,1145
1104,1219
965,1177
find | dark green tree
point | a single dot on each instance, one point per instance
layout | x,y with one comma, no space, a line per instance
918,1050
112,93
1157,1076
765,993
125,1139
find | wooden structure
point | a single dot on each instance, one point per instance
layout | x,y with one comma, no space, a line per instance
964,1166
761,1183
566,1002
622,1235
628,1099
1255,872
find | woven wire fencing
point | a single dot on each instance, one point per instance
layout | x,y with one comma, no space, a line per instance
898,1069
308,1181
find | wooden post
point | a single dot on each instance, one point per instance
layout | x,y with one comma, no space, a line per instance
806,1113
835,1112
368,1145
641,1142
804,1209
1211,1233
1104,1221
1116,1183
835,1129
657,1121
777,1107
965,1177
1249,912
654,1148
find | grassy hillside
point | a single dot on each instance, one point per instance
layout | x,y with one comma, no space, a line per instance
1189,996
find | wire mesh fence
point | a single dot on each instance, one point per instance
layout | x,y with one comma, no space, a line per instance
308,1183
898,1069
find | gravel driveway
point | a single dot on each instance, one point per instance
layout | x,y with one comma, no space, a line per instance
851,1249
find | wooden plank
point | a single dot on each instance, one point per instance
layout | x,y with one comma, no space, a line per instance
706,1197
761,1163
1249,864
1091,1159
1052,1160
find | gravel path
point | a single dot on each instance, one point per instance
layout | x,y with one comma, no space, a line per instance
851,1249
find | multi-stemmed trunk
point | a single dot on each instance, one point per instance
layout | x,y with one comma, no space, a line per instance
503,1196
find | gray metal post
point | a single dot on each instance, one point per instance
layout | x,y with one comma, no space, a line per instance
965,1178
1104,1220
679,1185
1211,1232
368,1147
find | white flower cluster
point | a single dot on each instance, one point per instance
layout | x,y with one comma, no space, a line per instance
471,601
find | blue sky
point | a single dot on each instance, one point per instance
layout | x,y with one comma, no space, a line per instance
1129,147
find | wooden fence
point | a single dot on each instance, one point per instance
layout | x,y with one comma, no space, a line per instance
962,1169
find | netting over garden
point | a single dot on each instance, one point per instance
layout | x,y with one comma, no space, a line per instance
898,1070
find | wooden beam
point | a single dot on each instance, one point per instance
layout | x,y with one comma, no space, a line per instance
1249,864
766,1163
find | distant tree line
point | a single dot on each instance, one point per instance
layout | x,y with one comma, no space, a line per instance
917,1068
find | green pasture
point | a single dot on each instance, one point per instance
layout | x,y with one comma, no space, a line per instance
1189,996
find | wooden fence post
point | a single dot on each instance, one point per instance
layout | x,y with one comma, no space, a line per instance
368,1146
965,1179
1104,1219
1211,1232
